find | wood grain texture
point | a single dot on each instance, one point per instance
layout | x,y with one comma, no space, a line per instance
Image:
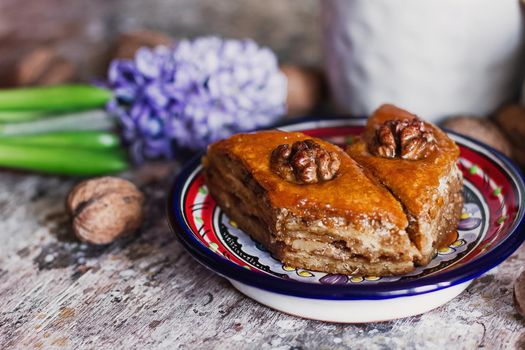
146,292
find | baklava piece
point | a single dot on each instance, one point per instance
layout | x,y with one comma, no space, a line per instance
311,205
416,161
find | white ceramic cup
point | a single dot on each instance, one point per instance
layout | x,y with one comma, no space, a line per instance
433,57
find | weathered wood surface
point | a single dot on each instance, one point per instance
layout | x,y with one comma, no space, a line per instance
146,292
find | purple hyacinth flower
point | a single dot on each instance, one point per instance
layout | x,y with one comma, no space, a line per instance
194,93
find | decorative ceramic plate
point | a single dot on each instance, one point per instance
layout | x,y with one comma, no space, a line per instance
490,229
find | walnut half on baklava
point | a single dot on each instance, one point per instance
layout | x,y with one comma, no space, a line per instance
309,204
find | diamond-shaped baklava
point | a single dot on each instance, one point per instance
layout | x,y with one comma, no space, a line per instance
310,204
416,161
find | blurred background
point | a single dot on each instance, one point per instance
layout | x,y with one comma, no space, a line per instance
456,62
83,33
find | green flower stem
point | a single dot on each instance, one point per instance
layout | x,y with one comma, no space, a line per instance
89,120
76,139
14,117
54,98
64,161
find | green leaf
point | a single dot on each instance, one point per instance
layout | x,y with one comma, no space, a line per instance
62,160
87,120
54,98
16,117
76,139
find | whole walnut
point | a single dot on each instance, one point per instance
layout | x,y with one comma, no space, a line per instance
105,208
481,129
511,120
306,89
127,44
42,66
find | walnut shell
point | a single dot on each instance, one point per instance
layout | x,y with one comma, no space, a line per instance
127,44
43,66
480,129
306,88
511,120
105,208
518,155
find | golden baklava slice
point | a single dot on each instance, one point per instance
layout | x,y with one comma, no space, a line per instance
417,162
309,203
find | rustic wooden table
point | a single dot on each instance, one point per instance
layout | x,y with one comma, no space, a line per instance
146,292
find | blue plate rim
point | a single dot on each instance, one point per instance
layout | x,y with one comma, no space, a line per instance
395,289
